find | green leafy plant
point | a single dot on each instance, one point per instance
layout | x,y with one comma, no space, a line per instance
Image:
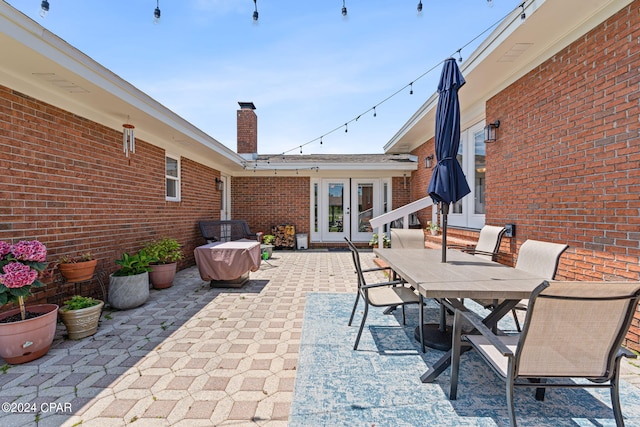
386,241
82,257
131,265
432,226
78,302
165,251
268,239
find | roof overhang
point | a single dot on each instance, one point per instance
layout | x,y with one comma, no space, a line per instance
512,50
41,65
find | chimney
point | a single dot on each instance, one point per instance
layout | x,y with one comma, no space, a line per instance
247,129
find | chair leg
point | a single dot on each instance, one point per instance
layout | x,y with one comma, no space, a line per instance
364,318
455,357
515,318
615,395
540,391
510,407
355,305
404,318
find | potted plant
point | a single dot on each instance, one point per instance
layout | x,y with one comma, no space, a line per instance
77,268
386,242
81,316
26,333
167,252
433,227
129,286
267,245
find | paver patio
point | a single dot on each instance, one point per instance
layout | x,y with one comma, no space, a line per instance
191,356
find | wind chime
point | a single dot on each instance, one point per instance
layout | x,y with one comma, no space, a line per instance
128,140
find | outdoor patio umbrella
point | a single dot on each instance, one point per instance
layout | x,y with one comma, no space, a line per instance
448,183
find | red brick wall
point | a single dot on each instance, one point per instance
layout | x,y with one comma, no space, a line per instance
266,201
66,182
421,177
247,131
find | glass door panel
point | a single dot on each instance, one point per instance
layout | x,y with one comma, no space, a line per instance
336,216
365,202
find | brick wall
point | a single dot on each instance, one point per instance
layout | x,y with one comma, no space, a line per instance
422,176
67,183
266,201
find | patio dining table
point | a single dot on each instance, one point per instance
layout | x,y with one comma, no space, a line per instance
462,276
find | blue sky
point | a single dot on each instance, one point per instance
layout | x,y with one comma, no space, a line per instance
307,69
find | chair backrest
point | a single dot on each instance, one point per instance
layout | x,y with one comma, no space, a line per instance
489,241
540,258
575,329
356,262
225,230
407,238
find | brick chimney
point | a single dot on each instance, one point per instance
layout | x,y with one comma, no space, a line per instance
247,129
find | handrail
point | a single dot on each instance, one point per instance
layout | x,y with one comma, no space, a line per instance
401,212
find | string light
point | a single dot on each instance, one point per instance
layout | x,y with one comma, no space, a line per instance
344,9
459,55
255,12
420,6
44,8
490,3
346,128
411,90
374,112
523,16
156,13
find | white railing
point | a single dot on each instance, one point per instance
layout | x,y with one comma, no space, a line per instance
401,212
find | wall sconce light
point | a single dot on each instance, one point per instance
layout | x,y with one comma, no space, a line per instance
219,184
490,131
427,161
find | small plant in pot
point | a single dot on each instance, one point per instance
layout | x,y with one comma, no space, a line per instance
129,286
268,239
77,268
81,316
167,252
26,333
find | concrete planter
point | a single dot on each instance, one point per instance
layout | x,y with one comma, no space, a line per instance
127,292
83,322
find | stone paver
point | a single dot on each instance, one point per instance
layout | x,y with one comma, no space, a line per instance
190,356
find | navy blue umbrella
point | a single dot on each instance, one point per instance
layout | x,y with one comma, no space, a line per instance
448,183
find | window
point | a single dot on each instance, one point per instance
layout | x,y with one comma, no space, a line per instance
470,211
172,175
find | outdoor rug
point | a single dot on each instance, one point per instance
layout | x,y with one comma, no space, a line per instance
379,384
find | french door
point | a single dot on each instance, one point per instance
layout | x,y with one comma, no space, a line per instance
343,207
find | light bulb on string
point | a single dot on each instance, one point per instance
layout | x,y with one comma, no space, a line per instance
44,8
490,3
346,128
374,112
523,16
411,88
255,11
344,9
419,7
156,13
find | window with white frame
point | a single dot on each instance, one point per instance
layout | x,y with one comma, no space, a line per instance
172,178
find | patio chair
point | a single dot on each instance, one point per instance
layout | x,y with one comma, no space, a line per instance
226,230
572,330
488,243
408,238
384,294
535,257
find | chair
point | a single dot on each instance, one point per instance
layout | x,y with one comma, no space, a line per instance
383,294
572,330
488,244
535,257
226,230
408,238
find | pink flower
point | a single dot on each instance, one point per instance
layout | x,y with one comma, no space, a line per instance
5,248
18,275
29,250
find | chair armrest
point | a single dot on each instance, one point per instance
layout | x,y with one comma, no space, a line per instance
476,322
369,270
378,285
461,247
623,352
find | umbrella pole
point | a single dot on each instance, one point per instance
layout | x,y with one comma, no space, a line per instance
444,209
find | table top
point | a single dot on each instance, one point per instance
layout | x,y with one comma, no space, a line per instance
462,276
235,244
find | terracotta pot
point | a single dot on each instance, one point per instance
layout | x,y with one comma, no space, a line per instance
30,339
78,271
161,275
127,292
83,322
